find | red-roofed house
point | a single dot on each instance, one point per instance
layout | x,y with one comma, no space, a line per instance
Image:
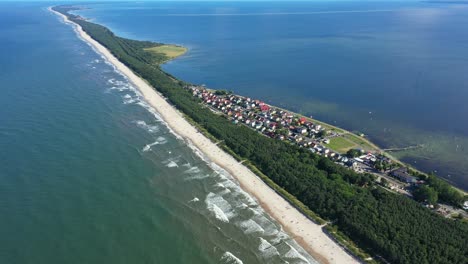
264,108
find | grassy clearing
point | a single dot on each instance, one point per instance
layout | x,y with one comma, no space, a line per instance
349,140
341,144
170,51
361,143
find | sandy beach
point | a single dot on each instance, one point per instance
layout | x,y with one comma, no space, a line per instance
308,234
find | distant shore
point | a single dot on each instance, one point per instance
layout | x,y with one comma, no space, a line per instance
308,234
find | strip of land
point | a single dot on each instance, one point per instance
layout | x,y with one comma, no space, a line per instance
307,233
370,221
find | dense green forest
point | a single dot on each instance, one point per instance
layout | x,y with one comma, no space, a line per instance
390,226
443,191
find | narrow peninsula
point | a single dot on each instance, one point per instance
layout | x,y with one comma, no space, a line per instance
337,213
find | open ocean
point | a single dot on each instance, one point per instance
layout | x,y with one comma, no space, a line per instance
396,71
90,174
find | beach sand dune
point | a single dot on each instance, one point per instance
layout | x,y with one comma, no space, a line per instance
308,234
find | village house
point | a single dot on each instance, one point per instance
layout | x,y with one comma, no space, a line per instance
403,175
265,119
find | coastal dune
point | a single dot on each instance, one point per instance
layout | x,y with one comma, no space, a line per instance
307,233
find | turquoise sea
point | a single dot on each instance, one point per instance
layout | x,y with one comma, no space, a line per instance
90,174
394,70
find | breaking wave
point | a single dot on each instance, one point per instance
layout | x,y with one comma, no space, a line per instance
159,141
171,162
192,170
267,249
194,200
128,99
218,206
218,213
229,258
250,227
149,128
294,254
197,177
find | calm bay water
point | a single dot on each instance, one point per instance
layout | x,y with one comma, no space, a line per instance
90,174
393,70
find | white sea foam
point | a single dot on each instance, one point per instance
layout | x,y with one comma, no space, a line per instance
219,214
194,200
120,85
149,128
264,245
221,208
171,159
220,185
223,188
255,210
129,101
239,199
212,198
172,164
159,141
197,177
242,206
192,170
270,228
294,254
228,182
148,147
267,249
224,191
280,236
248,198
162,140
150,109
229,258
119,88
250,226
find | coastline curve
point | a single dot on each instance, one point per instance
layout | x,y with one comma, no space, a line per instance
305,232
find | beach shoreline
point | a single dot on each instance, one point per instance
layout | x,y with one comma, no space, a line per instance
305,232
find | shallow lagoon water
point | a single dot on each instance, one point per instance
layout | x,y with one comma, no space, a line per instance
395,71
